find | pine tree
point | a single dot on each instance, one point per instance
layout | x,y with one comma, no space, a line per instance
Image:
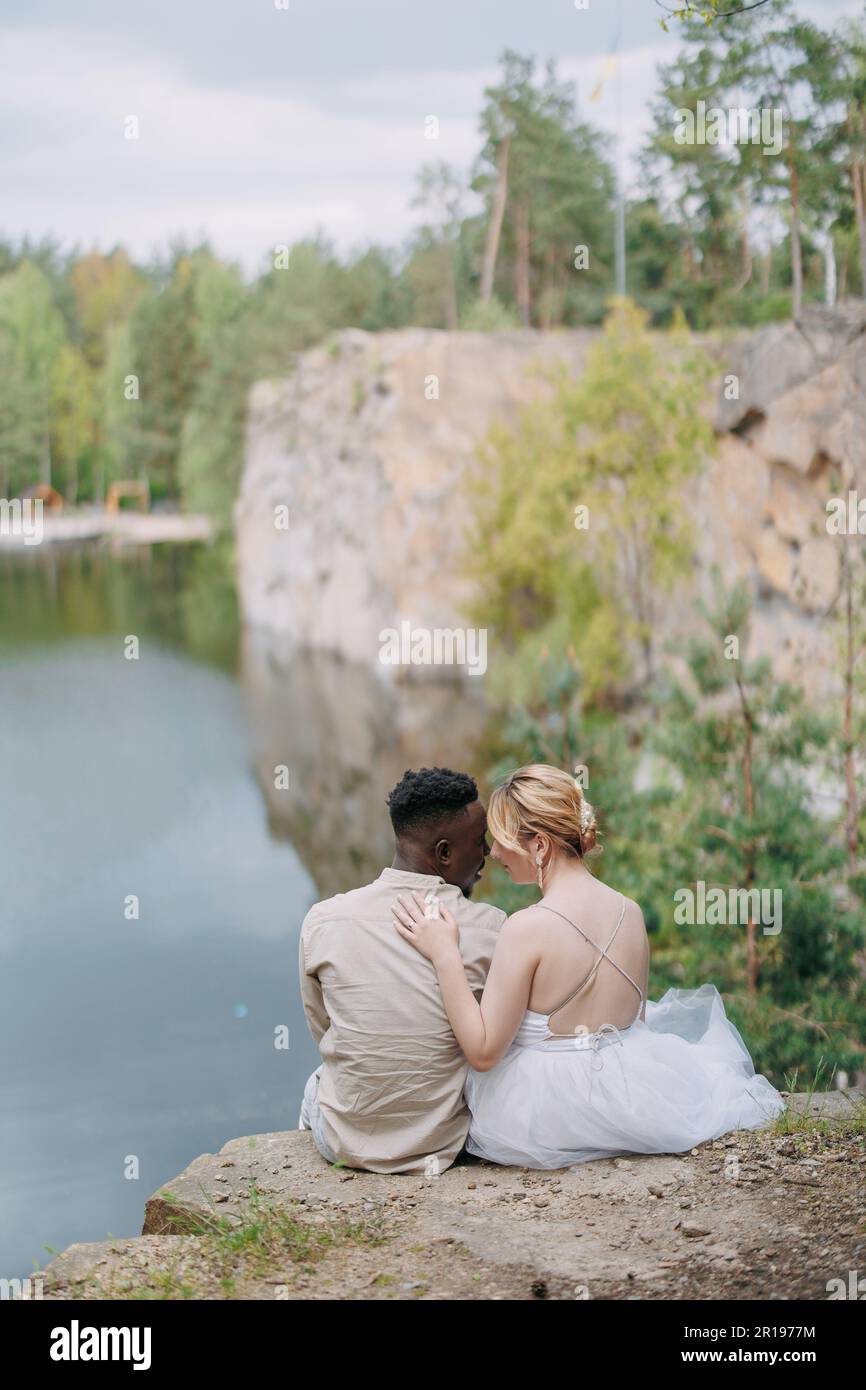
746,750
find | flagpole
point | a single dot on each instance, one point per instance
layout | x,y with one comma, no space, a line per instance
620,173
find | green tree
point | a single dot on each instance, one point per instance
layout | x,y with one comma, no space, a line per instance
579,520
106,290
22,434
73,404
706,184
374,295
547,188
34,333
655,249
212,433
297,304
806,82
709,11
165,360
119,409
833,68
439,194
768,56
242,335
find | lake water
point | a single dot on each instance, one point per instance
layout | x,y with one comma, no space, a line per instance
133,1043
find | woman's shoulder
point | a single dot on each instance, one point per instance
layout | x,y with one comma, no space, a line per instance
633,923
609,893
633,910
525,920
609,905
529,919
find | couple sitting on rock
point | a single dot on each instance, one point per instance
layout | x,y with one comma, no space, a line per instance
528,1040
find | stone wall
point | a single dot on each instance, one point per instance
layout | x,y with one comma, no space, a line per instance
371,469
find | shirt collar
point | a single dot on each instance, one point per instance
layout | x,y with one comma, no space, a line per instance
405,878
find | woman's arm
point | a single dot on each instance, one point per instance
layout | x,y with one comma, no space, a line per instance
644,979
484,1030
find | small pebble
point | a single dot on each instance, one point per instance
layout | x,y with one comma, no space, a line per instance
693,1230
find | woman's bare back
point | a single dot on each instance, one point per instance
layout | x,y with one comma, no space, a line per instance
568,959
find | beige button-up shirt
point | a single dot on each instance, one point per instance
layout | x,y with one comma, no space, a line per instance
391,1089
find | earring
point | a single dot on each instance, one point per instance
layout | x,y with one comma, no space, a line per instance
539,860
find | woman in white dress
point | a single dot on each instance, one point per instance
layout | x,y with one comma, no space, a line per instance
568,1059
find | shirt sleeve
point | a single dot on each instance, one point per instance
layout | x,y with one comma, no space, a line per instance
311,995
484,944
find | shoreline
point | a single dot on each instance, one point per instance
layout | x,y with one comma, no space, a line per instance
128,528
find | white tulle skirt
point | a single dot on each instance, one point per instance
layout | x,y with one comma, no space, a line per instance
660,1086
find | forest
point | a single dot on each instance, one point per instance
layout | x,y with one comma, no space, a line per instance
113,369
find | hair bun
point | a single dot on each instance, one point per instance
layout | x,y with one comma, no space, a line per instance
588,825
541,799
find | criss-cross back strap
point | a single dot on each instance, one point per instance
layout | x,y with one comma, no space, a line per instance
602,955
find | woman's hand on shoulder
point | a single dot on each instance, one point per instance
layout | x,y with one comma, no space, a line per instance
432,932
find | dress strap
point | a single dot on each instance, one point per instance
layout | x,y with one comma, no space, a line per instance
602,955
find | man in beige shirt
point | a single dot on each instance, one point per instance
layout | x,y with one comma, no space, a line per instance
388,1096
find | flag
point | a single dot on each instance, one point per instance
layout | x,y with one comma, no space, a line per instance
610,69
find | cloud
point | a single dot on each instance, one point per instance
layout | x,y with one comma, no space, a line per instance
234,149
251,169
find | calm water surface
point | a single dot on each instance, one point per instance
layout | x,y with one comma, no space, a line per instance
152,1038
133,1043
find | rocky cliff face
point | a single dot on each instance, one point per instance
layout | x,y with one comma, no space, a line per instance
368,442
367,445
795,437
652,1226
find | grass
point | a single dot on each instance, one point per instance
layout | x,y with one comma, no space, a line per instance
804,1122
267,1244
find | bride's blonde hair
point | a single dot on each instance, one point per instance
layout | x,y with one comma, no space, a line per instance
540,799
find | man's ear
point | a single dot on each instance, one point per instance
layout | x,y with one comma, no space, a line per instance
442,850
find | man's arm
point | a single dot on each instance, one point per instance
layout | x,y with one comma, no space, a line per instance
311,996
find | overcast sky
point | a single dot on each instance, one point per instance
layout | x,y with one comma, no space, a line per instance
258,124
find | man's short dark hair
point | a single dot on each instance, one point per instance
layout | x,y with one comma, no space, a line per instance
431,795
